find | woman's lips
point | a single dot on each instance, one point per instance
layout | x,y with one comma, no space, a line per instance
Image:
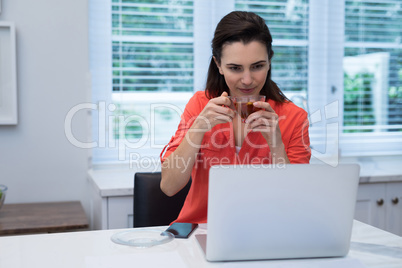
246,90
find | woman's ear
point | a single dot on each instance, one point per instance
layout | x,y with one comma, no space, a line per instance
218,65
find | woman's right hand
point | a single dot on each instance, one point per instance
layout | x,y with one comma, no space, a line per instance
216,112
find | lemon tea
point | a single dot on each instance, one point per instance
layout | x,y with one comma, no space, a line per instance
245,109
244,105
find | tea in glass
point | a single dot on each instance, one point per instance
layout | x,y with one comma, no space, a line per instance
244,105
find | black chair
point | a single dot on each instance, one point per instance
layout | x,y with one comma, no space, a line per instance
151,206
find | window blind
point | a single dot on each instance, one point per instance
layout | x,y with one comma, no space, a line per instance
373,66
152,45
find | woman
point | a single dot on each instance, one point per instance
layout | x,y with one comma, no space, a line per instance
211,133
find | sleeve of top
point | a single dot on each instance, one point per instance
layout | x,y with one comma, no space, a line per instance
192,110
298,150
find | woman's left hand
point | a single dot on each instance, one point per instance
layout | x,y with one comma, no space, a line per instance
266,121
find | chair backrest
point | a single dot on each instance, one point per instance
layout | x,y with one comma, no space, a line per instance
151,206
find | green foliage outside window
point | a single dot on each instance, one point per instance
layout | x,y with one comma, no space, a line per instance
358,101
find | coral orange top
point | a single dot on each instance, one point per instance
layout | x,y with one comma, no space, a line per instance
218,148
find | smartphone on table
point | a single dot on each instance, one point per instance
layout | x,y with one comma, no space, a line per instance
182,229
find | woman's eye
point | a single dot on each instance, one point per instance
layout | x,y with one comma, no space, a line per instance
234,68
259,66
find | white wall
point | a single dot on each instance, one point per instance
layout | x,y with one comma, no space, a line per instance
37,162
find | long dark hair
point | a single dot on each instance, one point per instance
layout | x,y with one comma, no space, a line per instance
240,26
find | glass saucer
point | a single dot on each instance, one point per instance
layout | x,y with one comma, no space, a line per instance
142,238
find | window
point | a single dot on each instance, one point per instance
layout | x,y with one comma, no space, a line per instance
339,60
372,76
151,74
152,43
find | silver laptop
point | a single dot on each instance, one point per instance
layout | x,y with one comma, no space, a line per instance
279,212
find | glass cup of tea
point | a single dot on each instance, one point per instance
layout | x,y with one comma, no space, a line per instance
244,105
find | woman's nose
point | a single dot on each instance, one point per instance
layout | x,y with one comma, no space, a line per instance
246,78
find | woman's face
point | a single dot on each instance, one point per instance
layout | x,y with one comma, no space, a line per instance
245,67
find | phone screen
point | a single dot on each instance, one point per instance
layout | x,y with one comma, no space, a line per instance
182,229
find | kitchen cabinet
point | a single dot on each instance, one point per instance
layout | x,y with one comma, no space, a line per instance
111,206
111,212
120,212
379,199
380,205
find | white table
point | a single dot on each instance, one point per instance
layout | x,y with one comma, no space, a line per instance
370,246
